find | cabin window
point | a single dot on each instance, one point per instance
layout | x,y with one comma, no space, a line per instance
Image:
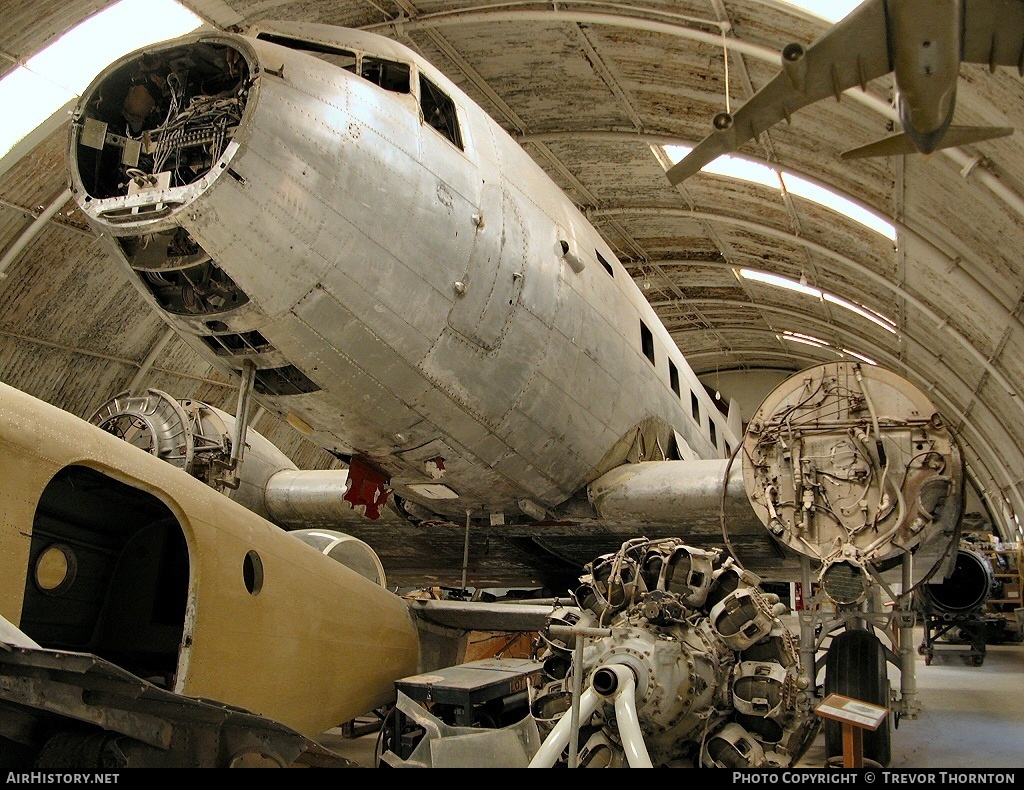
695,407
333,55
391,76
728,449
607,266
673,377
647,342
439,111
713,433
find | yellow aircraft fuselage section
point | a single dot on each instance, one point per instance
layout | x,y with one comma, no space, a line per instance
271,625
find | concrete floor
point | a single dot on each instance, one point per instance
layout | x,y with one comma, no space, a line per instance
971,717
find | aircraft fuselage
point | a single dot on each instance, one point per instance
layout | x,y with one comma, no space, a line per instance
925,41
414,291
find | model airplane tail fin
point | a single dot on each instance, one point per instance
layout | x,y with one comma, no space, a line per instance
900,144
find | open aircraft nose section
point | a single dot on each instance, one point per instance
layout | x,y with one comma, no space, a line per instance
157,127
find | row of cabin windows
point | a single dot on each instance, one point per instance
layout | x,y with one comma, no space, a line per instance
437,107
647,346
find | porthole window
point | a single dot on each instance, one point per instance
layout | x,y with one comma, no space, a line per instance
252,572
55,569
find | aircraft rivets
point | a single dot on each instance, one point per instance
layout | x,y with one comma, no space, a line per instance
460,287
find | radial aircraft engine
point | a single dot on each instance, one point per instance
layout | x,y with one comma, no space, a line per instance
678,659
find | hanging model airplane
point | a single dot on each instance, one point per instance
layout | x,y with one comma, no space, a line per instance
922,44
326,217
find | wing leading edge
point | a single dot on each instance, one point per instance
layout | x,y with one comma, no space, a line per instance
855,51
851,54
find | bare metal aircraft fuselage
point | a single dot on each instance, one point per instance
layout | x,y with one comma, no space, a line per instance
414,292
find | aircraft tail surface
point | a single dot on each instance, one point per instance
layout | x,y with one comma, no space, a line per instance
900,144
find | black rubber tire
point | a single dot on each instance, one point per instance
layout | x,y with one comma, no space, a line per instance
856,667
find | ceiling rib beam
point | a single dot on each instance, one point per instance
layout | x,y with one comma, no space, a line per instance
604,71
111,358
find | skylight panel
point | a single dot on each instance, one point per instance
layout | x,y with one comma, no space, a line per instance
817,342
823,197
830,10
35,98
792,285
59,73
755,173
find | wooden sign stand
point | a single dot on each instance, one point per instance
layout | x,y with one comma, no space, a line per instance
855,716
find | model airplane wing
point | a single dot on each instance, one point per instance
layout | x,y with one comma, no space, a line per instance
851,54
993,32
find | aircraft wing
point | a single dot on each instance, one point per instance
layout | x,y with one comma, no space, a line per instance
851,54
993,31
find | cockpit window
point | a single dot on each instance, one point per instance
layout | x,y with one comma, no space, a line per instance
439,111
333,55
388,74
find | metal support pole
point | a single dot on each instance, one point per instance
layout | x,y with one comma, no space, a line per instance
577,693
808,649
908,667
465,554
230,477
579,633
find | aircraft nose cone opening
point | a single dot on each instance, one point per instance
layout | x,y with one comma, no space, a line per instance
159,120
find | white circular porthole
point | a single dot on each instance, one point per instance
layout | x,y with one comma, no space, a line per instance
252,572
55,568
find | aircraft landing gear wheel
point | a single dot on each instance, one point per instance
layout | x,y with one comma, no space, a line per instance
856,667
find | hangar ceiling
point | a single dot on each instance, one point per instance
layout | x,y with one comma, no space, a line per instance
593,90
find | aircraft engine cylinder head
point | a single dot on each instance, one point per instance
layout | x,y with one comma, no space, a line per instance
845,461
759,688
685,571
725,662
742,618
732,747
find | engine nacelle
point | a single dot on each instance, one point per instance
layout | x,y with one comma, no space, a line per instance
196,437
